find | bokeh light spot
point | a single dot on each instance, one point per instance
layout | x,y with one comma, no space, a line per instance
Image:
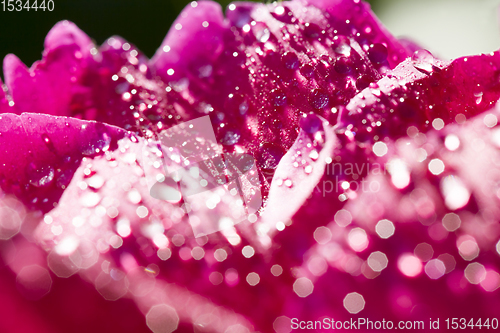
343,218
303,287
435,268
253,279
424,252
377,261
475,273
357,239
409,265
385,229
162,318
322,235
451,222
354,303
33,282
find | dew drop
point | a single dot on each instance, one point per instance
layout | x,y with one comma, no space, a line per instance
314,155
377,53
312,31
423,60
270,156
280,99
343,65
290,60
40,176
261,32
230,137
90,199
310,123
318,99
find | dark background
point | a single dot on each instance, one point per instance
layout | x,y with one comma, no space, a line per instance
141,22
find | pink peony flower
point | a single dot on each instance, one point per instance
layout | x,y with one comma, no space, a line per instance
378,167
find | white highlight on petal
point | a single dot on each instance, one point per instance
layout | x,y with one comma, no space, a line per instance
400,174
436,166
452,142
456,195
380,149
409,265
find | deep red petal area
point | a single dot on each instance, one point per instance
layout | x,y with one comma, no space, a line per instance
40,153
420,91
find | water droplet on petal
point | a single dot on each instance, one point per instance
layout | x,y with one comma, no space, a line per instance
318,99
230,137
423,60
291,60
40,176
270,156
261,32
310,123
343,65
377,53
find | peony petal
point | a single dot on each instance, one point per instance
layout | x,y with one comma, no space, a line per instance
106,226
258,70
40,154
49,85
298,172
454,226
257,74
4,103
111,84
422,90
363,21
69,300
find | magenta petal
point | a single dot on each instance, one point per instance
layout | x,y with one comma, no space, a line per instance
363,21
67,34
49,85
299,171
4,103
116,224
444,212
257,71
421,90
40,154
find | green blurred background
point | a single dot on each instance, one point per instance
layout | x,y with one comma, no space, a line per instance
449,28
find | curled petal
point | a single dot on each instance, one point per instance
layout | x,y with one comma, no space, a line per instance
49,85
299,172
421,90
